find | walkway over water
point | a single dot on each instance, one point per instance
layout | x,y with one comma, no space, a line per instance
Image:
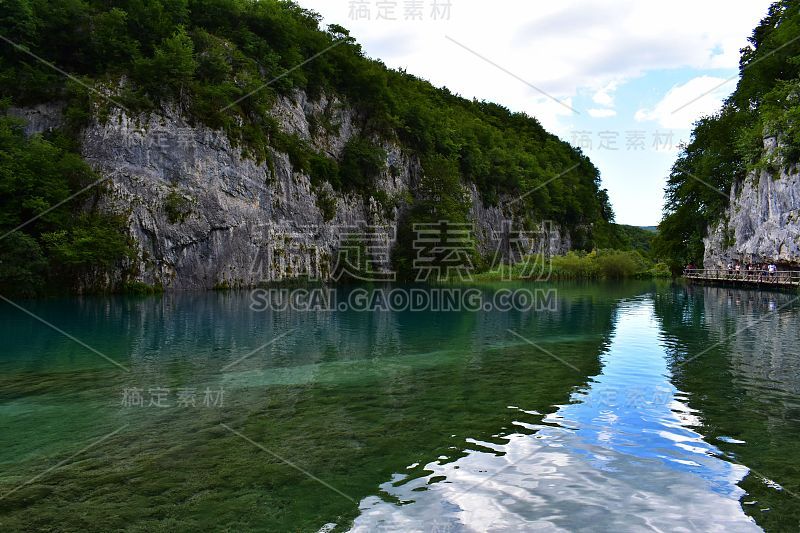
781,278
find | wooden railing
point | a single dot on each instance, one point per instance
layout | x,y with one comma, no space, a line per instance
780,277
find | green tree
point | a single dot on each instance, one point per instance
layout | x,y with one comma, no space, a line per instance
361,163
52,233
171,69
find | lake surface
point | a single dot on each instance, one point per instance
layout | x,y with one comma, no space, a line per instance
635,407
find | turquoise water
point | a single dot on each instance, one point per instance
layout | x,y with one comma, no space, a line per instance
635,406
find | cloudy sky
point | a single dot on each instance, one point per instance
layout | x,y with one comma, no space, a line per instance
622,79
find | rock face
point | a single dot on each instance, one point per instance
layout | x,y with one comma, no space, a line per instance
202,215
762,222
39,119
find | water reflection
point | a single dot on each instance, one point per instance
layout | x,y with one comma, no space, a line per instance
432,421
738,351
623,454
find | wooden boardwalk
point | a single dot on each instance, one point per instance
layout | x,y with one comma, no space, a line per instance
781,278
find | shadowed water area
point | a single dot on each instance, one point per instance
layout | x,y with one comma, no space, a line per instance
635,406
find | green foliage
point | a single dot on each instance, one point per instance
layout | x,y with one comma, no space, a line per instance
177,207
725,146
93,240
362,162
636,238
388,203
296,148
322,169
23,265
440,197
660,270
608,264
781,112
327,204
141,289
608,235
223,285
171,69
111,42
619,265
57,234
574,265
604,264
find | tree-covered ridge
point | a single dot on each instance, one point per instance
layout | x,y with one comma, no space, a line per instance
725,146
209,53
212,58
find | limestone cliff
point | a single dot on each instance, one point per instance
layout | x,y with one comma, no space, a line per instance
762,222
203,215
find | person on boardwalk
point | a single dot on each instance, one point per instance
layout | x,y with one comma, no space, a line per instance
772,270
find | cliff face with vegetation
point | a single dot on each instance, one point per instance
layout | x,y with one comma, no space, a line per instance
222,126
762,221
733,193
202,215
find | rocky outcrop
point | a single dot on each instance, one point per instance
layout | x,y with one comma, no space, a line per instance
762,222
41,118
202,215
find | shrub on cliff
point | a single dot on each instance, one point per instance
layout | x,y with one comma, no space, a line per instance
51,232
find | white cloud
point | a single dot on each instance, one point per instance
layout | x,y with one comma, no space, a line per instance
561,48
602,113
684,103
547,111
605,96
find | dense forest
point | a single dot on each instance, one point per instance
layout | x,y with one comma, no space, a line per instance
205,56
727,145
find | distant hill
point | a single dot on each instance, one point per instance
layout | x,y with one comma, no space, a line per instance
639,238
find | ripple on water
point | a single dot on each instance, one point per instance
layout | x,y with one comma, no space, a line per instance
609,460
